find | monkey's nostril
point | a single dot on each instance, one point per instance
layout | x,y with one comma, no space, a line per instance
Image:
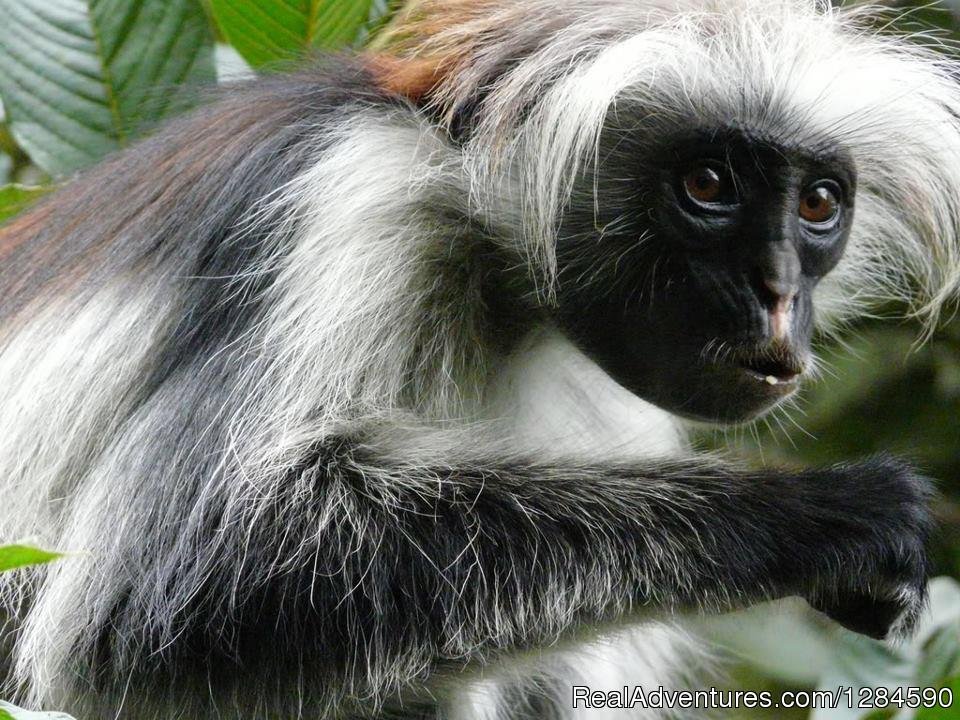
779,288
778,295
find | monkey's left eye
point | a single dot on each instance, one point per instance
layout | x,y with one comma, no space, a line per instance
705,185
820,205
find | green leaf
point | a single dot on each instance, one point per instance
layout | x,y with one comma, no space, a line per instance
6,168
17,556
80,78
11,712
941,656
380,13
14,198
267,31
886,714
944,713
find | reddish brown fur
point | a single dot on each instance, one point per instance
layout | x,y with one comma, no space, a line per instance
412,78
13,234
420,52
42,243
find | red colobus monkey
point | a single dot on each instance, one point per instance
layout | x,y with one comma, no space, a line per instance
357,381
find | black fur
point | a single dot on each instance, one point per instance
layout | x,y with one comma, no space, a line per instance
364,578
672,301
430,567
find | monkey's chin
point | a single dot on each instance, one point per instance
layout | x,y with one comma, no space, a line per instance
731,394
755,392
756,380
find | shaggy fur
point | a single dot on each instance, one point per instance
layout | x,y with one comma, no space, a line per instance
283,375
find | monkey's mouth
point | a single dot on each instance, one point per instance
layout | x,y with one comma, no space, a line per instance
776,366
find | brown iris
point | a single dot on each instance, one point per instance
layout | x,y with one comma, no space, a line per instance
703,184
819,205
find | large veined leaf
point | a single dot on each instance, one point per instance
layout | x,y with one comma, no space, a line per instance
80,78
266,31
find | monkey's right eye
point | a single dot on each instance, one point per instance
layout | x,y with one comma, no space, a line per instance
707,187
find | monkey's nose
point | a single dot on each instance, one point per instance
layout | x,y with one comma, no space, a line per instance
780,307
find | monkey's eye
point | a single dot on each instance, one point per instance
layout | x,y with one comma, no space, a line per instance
820,205
704,185
709,189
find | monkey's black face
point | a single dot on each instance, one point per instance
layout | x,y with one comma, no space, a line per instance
691,281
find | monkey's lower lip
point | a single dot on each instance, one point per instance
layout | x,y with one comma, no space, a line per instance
785,372
785,380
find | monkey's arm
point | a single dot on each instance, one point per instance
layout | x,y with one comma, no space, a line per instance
393,566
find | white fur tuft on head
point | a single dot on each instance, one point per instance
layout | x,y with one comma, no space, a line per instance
799,69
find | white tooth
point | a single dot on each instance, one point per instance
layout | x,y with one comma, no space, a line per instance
771,380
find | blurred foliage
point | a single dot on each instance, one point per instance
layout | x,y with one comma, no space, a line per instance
17,557
11,712
82,78
786,646
14,198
